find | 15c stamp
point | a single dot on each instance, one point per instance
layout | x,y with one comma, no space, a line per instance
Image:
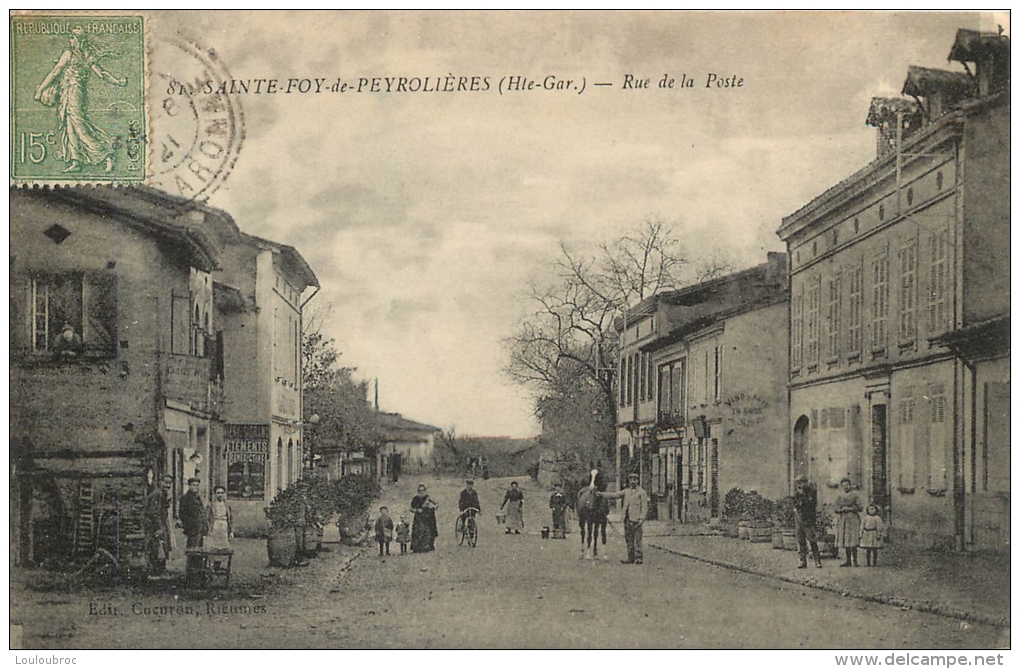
78,106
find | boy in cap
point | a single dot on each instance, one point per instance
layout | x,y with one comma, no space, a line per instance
558,503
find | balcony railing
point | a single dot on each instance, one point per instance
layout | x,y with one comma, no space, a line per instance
670,419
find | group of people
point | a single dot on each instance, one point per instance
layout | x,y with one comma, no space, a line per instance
852,532
205,525
422,533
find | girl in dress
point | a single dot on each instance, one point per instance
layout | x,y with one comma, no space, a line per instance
848,523
872,535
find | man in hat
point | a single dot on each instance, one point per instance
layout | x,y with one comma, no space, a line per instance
67,344
805,506
156,525
635,510
558,503
193,514
469,497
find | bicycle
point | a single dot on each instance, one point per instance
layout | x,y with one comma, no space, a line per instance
466,528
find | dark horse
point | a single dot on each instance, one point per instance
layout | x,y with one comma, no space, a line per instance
592,516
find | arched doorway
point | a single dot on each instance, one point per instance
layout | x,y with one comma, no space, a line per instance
800,447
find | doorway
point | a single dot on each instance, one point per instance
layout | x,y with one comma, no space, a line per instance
880,459
800,448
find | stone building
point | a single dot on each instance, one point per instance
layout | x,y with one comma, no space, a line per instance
115,374
899,351
703,397
262,288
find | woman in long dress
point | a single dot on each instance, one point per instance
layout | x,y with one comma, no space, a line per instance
848,522
423,529
82,141
220,521
514,503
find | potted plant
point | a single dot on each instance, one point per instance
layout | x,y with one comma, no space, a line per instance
287,515
354,495
784,520
824,522
758,511
734,508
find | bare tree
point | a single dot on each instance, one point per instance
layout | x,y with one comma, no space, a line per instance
567,347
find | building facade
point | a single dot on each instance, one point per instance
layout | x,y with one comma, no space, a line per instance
899,277
115,378
704,409
262,289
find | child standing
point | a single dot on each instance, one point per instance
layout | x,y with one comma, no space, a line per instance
403,535
872,534
384,530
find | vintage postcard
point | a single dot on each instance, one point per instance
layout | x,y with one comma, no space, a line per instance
511,330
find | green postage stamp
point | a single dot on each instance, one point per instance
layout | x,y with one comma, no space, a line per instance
78,112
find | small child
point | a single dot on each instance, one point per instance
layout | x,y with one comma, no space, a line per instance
384,530
872,534
403,535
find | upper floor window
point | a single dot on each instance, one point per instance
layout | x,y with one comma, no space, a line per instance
937,280
66,315
717,379
813,309
835,304
797,332
908,293
855,277
879,303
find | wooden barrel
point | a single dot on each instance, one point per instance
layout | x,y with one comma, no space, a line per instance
759,532
282,546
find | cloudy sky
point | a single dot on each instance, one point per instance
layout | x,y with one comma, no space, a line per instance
425,215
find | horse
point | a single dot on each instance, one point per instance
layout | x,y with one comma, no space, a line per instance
592,515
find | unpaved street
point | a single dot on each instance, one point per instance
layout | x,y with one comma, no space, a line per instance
509,592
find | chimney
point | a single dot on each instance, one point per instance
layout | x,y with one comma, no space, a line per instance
775,271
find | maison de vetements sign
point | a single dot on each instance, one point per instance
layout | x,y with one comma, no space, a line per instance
246,442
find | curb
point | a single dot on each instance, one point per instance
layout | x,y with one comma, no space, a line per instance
1001,622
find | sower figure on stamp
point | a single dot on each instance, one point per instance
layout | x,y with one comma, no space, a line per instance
193,515
66,87
805,506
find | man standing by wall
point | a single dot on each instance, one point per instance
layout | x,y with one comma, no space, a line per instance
193,515
805,504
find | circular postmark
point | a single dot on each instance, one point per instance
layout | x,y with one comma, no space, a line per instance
197,126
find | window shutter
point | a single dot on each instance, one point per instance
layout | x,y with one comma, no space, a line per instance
99,331
20,314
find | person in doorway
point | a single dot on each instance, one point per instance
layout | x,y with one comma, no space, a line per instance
514,503
805,507
872,534
423,529
635,510
156,525
848,521
220,520
193,514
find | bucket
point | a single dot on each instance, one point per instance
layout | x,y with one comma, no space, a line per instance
545,532
500,518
